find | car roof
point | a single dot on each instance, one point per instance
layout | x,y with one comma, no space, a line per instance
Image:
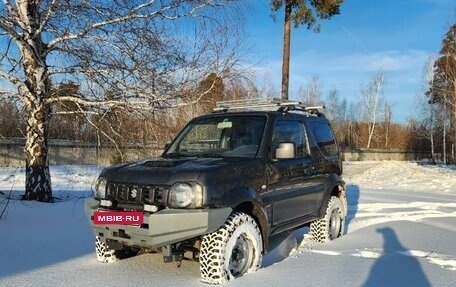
269,107
275,114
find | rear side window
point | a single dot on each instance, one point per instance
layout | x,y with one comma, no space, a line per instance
291,131
324,138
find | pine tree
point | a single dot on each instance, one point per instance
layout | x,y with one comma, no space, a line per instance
443,85
301,12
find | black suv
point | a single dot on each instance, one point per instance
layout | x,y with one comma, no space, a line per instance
227,183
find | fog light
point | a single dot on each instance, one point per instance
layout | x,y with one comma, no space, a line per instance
106,203
150,208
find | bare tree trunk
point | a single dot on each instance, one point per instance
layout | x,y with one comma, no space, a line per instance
432,136
387,136
286,50
452,153
432,147
444,144
37,87
452,132
388,116
371,129
453,121
37,180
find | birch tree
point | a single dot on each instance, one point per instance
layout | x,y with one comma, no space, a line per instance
426,118
311,94
146,52
372,101
387,117
336,112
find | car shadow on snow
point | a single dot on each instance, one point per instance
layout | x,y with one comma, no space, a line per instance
353,193
396,267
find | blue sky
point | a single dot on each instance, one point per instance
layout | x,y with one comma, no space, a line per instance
394,36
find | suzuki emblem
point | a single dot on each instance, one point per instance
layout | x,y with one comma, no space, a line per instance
133,193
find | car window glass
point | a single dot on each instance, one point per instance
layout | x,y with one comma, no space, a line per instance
220,136
290,131
324,138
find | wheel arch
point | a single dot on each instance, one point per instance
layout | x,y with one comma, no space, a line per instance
337,188
259,216
247,200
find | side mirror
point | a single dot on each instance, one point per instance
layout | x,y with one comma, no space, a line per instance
285,151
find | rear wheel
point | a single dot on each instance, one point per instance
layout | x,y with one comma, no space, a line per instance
234,249
331,226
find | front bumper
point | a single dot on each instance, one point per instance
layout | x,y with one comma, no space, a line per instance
162,228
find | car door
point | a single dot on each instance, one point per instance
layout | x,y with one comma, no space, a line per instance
292,190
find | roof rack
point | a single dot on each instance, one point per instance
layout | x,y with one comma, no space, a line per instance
266,104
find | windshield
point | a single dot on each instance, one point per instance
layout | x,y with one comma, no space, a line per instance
224,136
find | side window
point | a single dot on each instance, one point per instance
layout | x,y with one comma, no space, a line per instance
291,131
324,138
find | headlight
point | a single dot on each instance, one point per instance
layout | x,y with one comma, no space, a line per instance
100,188
183,195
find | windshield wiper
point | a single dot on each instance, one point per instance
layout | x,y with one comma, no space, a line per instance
175,155
208,154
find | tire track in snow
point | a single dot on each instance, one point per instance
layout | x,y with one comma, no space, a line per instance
445,261
369,214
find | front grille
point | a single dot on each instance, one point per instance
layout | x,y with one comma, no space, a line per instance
137,193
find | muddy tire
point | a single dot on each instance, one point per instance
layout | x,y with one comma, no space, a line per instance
234,249
331,226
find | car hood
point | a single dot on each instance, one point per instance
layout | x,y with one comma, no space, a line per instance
164,171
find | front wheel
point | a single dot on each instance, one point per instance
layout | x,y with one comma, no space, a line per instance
234,249
103,252
106,254
331,225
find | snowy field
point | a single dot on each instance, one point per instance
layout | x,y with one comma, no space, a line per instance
400,231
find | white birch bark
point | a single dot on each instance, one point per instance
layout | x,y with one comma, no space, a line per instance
372,102
33,93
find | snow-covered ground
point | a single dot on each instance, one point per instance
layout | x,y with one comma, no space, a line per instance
401,231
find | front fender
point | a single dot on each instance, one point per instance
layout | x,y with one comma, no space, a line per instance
246,200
